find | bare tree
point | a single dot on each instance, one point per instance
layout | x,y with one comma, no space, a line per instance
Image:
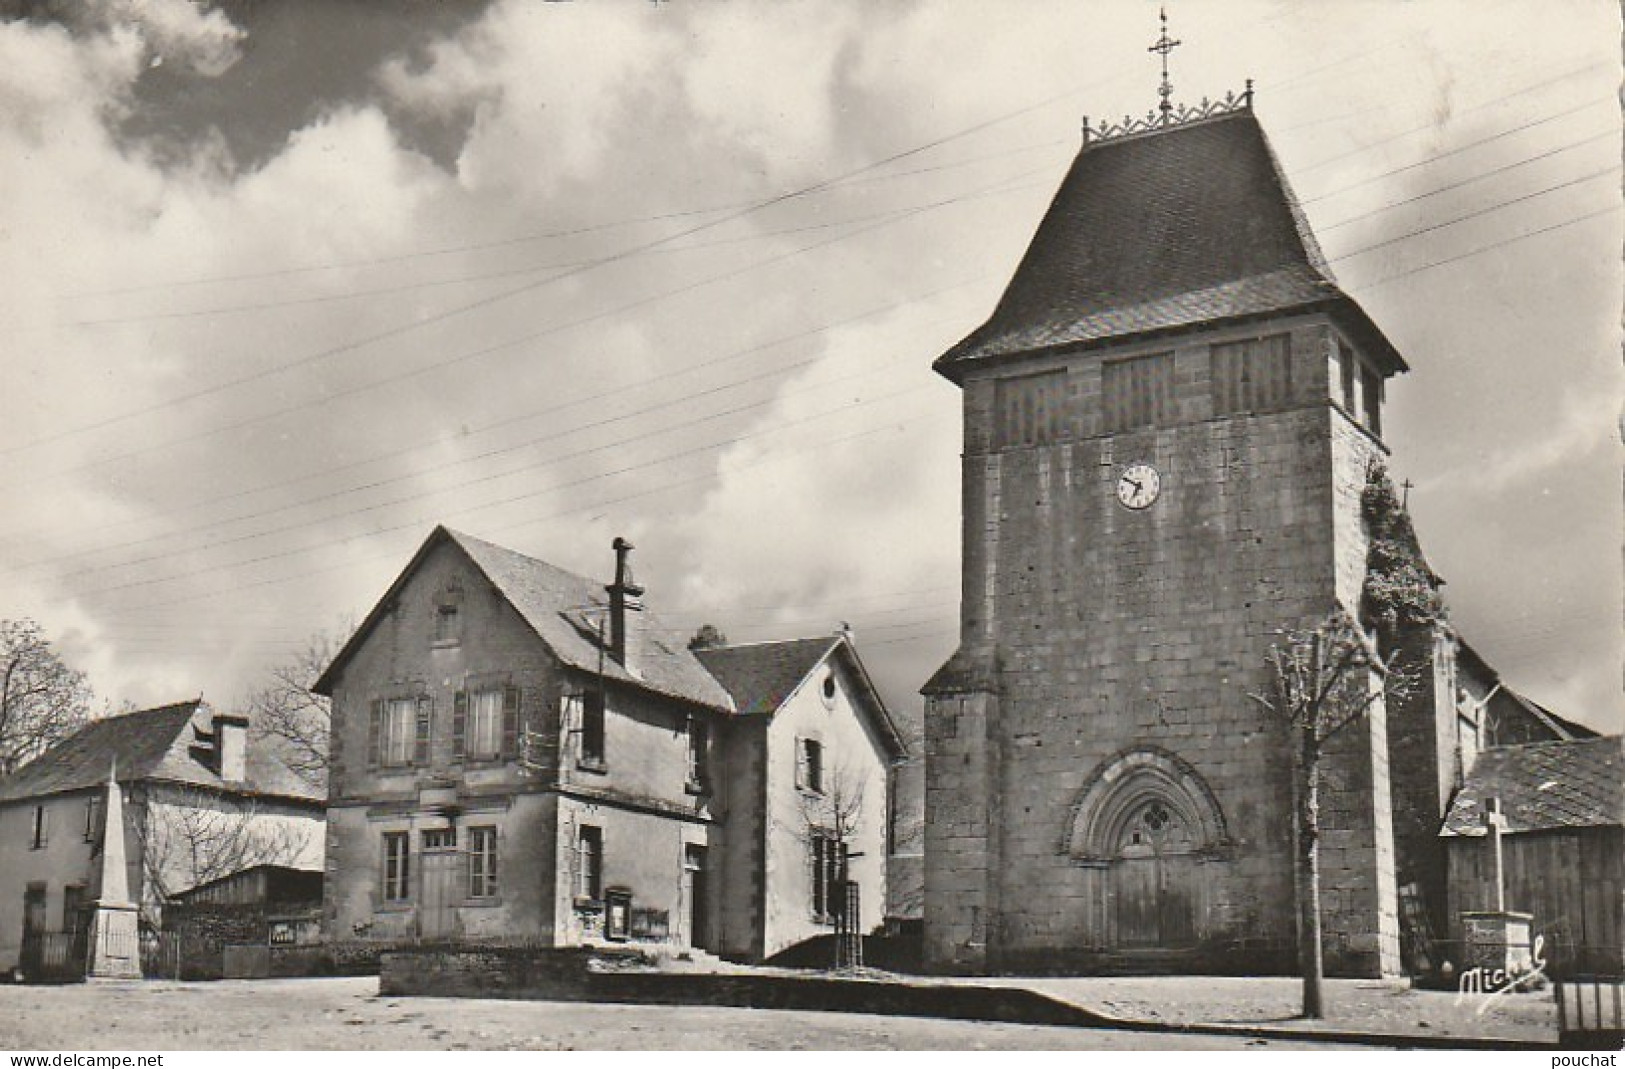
190,837
285,713
1322,679
831,806
42,700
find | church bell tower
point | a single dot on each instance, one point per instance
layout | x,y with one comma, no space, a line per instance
1168,420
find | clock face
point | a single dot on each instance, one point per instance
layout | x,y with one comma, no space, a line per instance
1138,486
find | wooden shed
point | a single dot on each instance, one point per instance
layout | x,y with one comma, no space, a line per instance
1562,845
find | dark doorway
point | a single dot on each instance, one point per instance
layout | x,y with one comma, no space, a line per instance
697,896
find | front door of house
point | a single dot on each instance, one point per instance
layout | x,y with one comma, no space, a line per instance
33,928
695,895
441,889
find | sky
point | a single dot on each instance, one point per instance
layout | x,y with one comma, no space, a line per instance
287,285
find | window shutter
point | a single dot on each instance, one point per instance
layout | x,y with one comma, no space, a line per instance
801,762
459,724
44,825
375,735
420,753
575,863
510,721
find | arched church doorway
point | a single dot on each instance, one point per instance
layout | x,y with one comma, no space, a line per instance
1148,828
1153,880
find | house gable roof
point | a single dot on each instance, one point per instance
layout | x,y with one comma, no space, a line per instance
762,676
168,744
1543,786
562,609
1166,230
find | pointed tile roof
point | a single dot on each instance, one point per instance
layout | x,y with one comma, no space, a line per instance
762,676
1174,228
563,609
1573,783
169,743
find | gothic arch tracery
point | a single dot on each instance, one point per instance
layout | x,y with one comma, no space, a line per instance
1145,797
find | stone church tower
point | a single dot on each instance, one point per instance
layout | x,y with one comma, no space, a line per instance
1168,421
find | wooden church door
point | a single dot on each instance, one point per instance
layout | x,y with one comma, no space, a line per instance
1154,881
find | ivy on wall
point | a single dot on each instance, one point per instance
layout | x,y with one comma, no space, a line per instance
1400,591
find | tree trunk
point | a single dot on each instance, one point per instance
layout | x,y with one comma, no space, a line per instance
1308,869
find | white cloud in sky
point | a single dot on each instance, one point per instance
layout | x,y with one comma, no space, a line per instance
443,360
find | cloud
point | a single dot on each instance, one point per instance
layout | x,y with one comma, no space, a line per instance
179,31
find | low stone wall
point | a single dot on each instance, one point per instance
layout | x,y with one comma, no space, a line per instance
579,975
201,933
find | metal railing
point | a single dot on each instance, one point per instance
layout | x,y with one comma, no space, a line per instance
58,956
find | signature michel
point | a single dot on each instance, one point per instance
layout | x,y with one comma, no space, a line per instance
1486,982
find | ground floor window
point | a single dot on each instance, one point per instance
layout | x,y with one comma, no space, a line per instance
590,862
482,862
827,856
397,866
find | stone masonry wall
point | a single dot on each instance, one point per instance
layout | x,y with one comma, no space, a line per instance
1117,629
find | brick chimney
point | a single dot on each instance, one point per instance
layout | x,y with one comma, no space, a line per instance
230,747
624,599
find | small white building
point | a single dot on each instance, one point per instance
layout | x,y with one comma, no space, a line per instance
199,802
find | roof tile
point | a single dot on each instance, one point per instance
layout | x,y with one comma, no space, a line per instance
1574,783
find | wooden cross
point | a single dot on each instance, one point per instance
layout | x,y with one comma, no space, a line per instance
1405,496
1495,823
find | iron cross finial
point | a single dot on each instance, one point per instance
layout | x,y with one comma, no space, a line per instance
1163,46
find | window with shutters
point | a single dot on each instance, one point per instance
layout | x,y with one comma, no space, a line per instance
482,862
826,856
400,731
93,817
396,875
810,765
483,733
39,833
1031,410
485,724
1137,392
590,862
1252,375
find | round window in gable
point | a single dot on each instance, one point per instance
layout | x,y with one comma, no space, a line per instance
829,689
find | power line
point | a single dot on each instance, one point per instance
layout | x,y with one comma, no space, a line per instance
1610,170
338,395
531,521
551,461
534,238
375,507
1610,210
1525,91
528,416
420,521
1470,180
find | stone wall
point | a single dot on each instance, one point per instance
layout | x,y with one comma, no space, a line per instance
1115,631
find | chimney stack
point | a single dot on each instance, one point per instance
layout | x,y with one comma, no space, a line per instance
231,747
624,597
